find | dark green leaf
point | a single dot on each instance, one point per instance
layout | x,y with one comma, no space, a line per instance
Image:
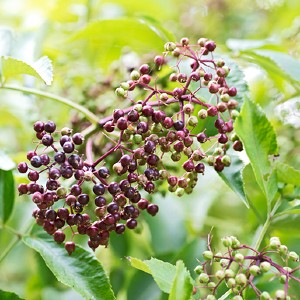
232,176
81,270
8,295
259,140
182,286
7,194
41,69
163,273
287,174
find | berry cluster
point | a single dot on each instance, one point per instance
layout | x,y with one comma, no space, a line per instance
242,267
159,139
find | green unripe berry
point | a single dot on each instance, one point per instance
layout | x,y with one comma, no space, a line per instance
229,273
192,121
135,75
210,297
239,257
226,160
235,242
188,108
138,107
225,98
120,92
280,295
288,269
211,284
211,160
61,192
218,151
137,139
220,274
125,85
170,46
265,266
254,270
217,259
226,241
220,62
283,249
66,131
202,114
275,243
234,114
293,256
207,255
203,278
164,97
224,262
282,279
172,189
241,279
198,269
237,297
265,296
231,283
156,127
179,192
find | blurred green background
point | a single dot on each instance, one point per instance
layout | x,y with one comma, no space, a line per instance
87,42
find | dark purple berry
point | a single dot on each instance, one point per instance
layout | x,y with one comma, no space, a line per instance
144,69
70,247
77,139
64,139
122,123
103,172
109,126
189,166
68,147
45,159
49,126
30,154
113,188
112,207
54,173
199,168
142,127
22,167
120,228
117,114
238,146
59,236
149,146
201,137
178,125
131,223
147,111
133,116
100,201
212,111
38,126
99,189
152,209
210,46
232,92
36,161
33,175
60,157
143,204
63,213
223,139
22,189
75,161
83,199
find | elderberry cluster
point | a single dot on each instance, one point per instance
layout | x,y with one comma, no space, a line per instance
240,268
175,126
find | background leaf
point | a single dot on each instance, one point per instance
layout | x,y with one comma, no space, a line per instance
163,272
182,285
41,69
287,174
81,270
259,140
8,295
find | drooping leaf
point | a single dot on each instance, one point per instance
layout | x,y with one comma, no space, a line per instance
163,272
81,270
182,286
7,195
232,176
8,296
259,140
41,69
106,39
287,174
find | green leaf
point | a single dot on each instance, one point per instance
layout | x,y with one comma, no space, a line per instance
163,272
81,270
7,194
232,176
289,65
41,69
8,295
287,174
182,286
106,39
259,140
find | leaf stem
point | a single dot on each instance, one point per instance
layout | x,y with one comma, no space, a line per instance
88,114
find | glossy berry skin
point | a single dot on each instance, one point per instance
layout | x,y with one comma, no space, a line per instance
70,247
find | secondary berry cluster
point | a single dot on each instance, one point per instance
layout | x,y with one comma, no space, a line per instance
240,268
175,126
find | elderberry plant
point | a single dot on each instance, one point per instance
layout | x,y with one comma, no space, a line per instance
241,268
161,138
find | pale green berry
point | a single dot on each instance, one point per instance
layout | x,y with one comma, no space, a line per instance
192,121
265,296
125,85
170,46
288,269
202,114
120,92
164,97
198,269
211,160
239,257
226,160
225,98
293,256
234,114
218,151
61,192
224,262
210,297
217,254
207,255
282,279
179,192
220,274
283,249
188,108
254,270
241,279
135,75
211,284
231,283
265,266
275,243
280,295
138,107
66,131
227,70
137,139
229,273
237,297
226,241
203,278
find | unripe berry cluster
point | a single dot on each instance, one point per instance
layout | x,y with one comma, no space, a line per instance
241,267
161,138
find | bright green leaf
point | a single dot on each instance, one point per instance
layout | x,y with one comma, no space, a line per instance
41,69
232,176
259,140
287,174
81,270
7,194
8,295
163,272
182,286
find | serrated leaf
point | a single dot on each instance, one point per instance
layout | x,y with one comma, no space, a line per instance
81,270
288,64
232,176
182,286
287,174
259,140
163,273
41,69
105,39
7,195
8,296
